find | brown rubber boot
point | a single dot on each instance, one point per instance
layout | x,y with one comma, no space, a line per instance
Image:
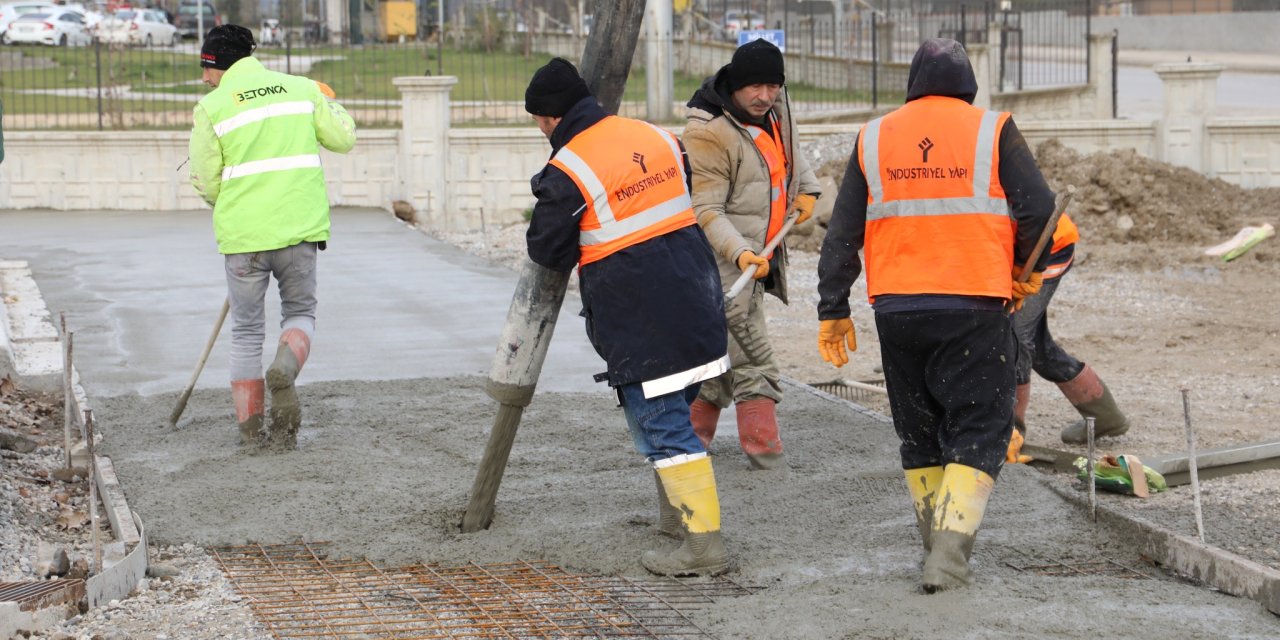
247,395
1022,398
1092,399
286,410
704,417
669,523
758,433
961,503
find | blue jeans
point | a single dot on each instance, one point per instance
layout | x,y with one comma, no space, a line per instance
660,426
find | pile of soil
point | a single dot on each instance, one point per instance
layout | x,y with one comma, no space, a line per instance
1124,197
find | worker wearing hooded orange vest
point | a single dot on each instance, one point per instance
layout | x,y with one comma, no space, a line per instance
946,199
1038,351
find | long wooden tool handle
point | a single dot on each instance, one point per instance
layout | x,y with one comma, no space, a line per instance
204,357
747,275
1047,234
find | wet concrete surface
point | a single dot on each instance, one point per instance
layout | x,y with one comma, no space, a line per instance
395,420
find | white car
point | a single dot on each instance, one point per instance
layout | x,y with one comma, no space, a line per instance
57,27
736,21
11,12
146,27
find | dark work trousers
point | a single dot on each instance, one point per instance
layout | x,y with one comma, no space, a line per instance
1036,348
950,379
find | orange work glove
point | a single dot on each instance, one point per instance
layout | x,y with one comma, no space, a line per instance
326,90
1015,455
803,205
1024,290
832,336
748,258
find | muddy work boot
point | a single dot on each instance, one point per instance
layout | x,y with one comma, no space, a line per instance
923,484
690,488
669,523
286,410
961,503
704,416
758,433
1092,399
248,395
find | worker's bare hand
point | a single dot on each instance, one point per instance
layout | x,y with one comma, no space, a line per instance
833,335
748,258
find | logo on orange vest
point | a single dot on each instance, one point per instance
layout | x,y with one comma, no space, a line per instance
644,183
925,145
638,158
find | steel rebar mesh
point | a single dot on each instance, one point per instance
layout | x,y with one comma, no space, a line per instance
298,592
1067,567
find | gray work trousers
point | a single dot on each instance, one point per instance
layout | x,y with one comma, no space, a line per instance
294,269
753,370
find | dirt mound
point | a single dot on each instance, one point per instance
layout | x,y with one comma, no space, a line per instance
1123,196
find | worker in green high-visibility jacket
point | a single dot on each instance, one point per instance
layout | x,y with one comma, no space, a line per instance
255,156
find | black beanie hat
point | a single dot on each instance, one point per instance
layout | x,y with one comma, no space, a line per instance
224,45
554,89
756,62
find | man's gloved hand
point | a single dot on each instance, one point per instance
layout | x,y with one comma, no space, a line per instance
748,258
832,336
326,90
1024,290
803,205
1014,454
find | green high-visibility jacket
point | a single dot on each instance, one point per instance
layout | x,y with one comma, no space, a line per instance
255,156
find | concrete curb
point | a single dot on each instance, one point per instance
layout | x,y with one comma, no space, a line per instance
1187,556
29,339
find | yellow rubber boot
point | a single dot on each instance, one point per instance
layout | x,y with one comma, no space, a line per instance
961,502
669,522
690,485
923,483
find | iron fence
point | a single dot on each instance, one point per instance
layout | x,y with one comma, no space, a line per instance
838,61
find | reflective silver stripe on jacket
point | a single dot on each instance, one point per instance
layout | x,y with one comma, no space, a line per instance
297,107
611,228
631,224
306,161
588,178
979,202
678,381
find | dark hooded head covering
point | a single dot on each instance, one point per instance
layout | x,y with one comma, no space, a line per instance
941,68
224,45
756,62
554,89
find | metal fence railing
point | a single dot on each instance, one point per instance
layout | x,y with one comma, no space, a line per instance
837,61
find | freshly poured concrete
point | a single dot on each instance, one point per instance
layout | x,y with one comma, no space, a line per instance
396,418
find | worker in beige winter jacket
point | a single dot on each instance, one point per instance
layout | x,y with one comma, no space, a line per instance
748,175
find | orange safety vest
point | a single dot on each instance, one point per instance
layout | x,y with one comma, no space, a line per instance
775,157
1064,235
632,176
937,218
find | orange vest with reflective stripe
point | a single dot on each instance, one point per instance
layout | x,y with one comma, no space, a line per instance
937,218
632,176
775,157
1065,235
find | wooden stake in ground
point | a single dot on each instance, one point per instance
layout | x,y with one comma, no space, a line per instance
535,306
1191,463
1093,494
67,415
93,490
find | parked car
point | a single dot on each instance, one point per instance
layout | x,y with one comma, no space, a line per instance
11,12
146,27
188,19
736,21
57,27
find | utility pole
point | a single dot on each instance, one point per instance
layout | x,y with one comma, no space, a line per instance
657,61
535,306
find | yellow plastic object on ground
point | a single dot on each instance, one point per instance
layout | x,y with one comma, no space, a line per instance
397,18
